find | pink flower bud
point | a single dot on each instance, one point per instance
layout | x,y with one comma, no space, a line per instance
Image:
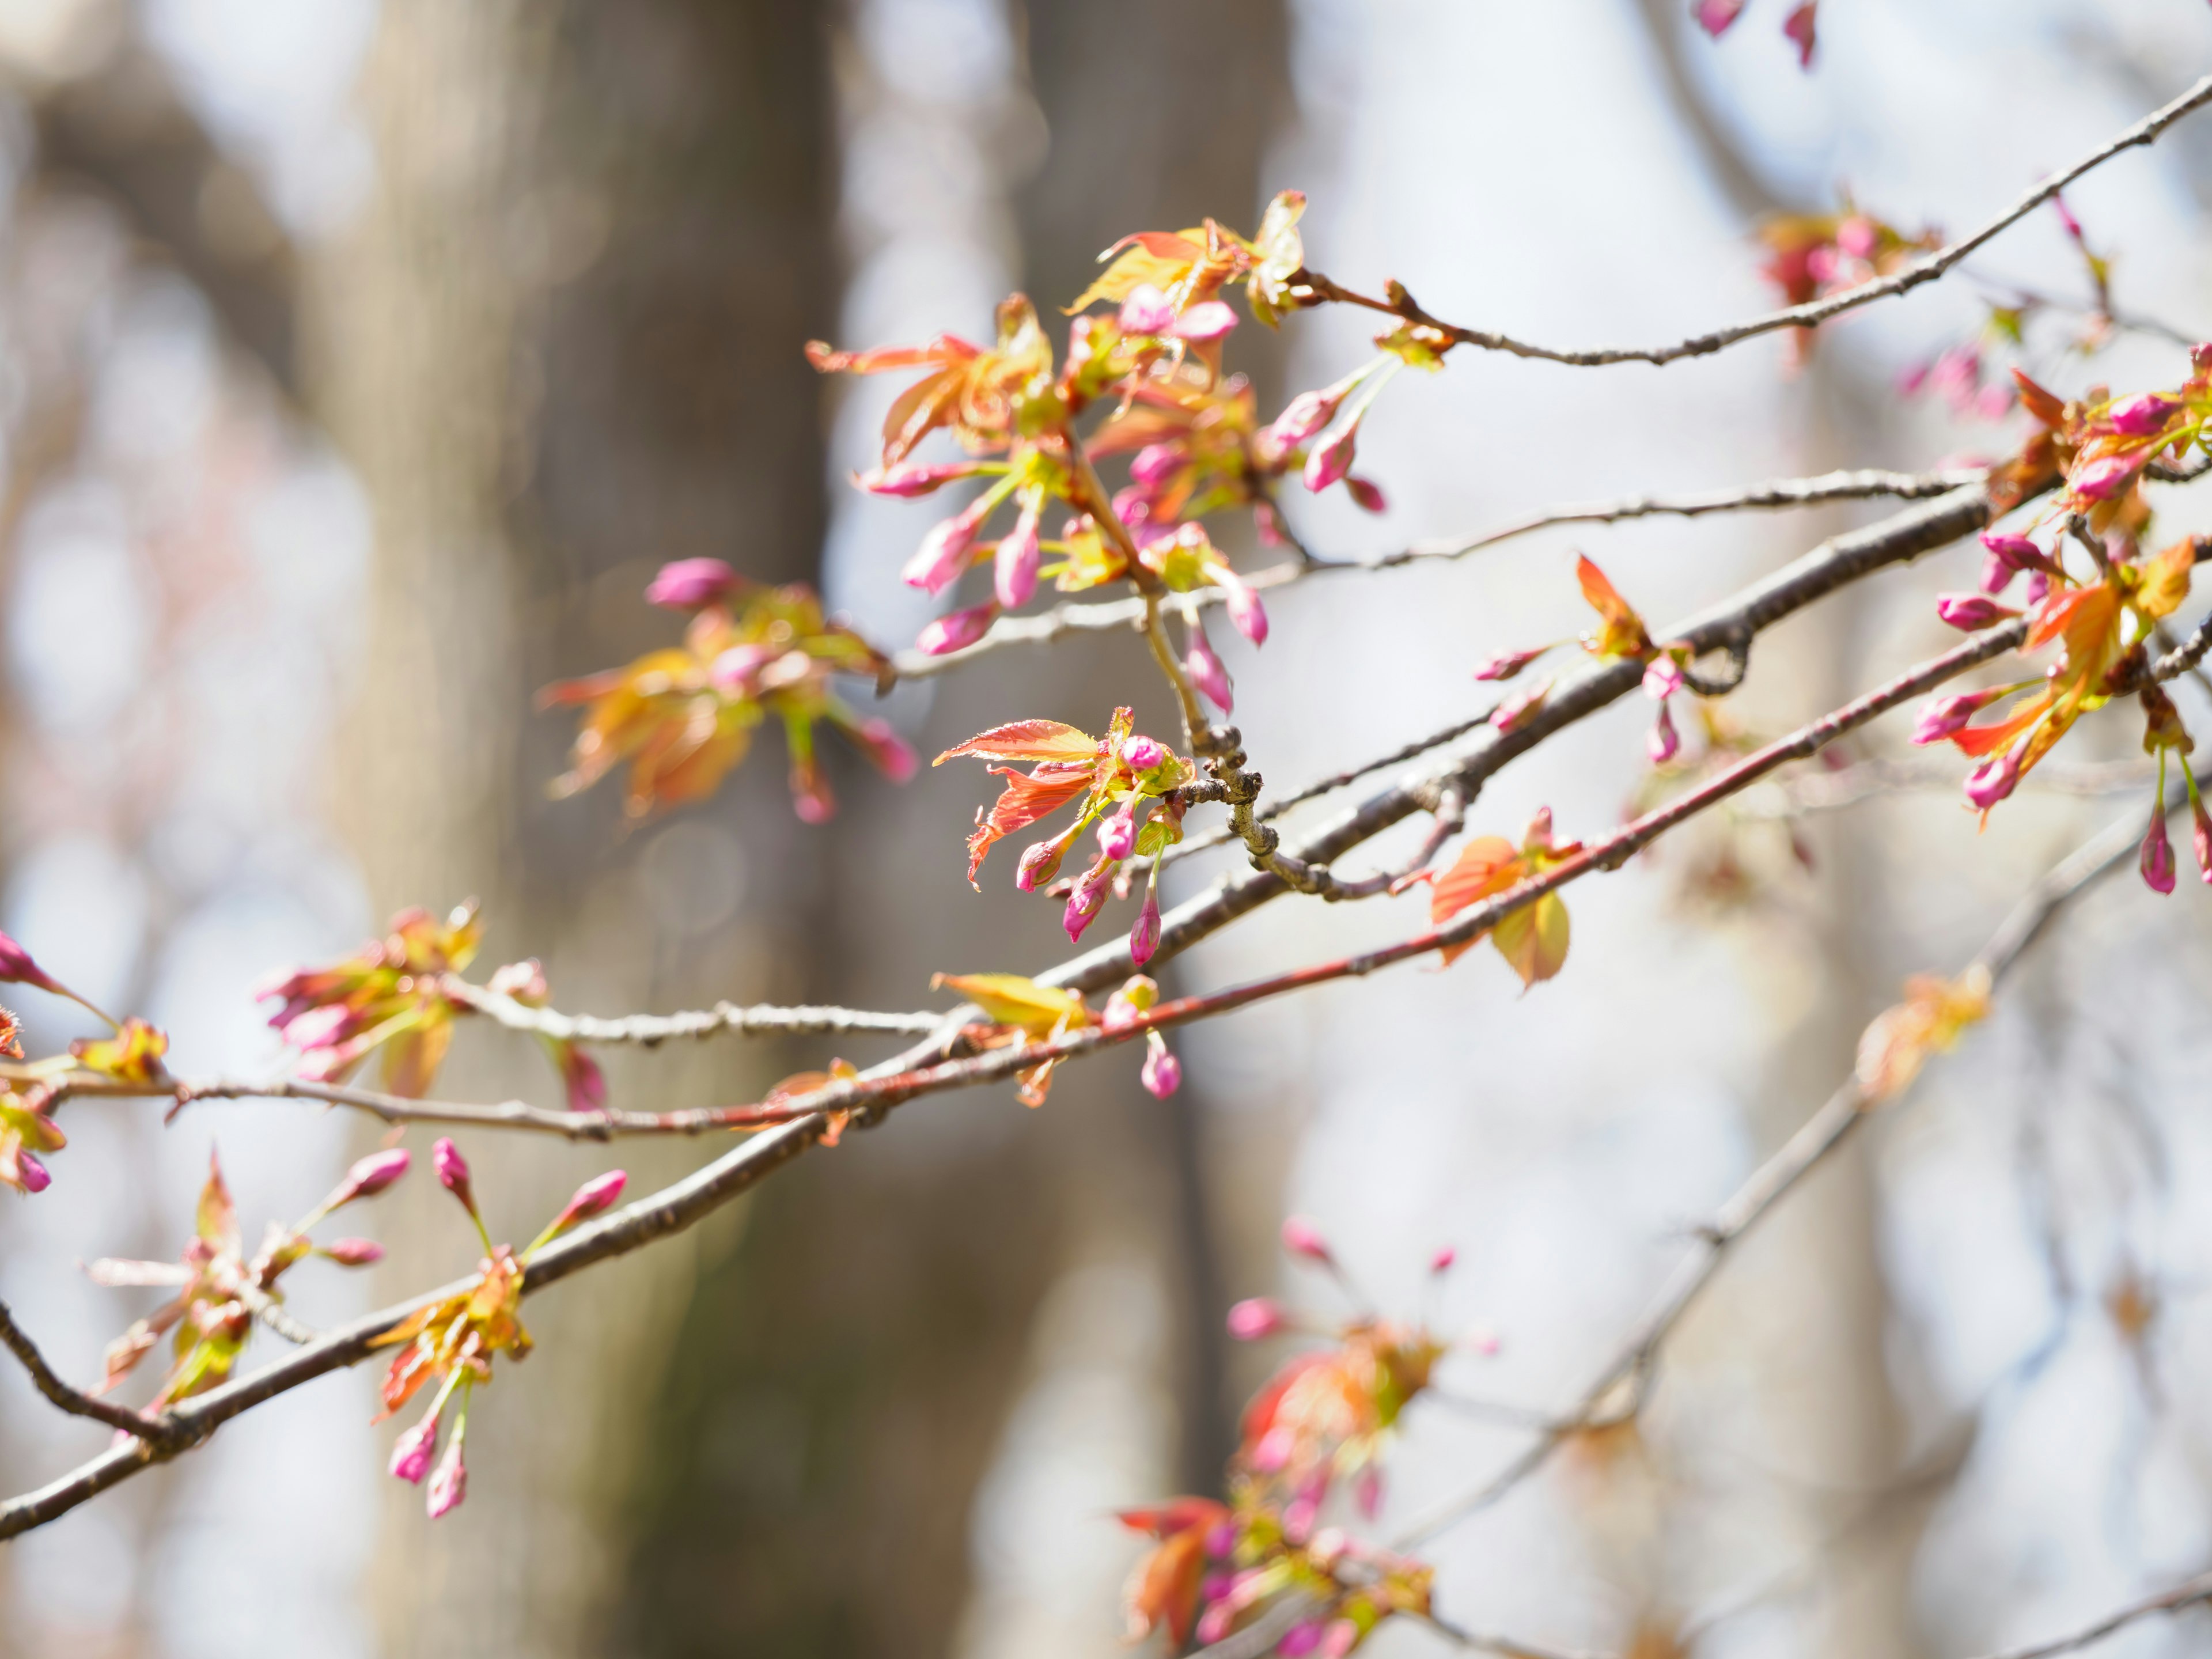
736,673
1256,1318
1998,573
1994,778
1442,1261
1300,1640
1994,401
1506,664
1039,865
956,630
32,1173
811,796
17,967
1338,1639
911,478
1155,464
1209,320
2105,477
1142,754
2157,860
1130,1002
1303,416
1214,1623
1663,678
946,551
1016,569
1301,1237
1205,670
1800,27
1662,743
1268,523
2037,589
1714,16
1858,237
1161,1075
2018,551
2143,414
410,1452
1086,900
595,1197
354,1252
1117,835
1941,718
453,1172
1366,494
1145,932
687,584
1969,612
372,1176
1245,610
1332,458
893,754
450,1484
1146,311
1515,711
2203,835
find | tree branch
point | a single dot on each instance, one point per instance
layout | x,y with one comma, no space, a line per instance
650,1030
152,1431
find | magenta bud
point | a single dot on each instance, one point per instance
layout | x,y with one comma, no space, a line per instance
1145,932
1365,494
2157,860
1998,573
354,1252
2201,828
1969,612
2105,477
1303,416
1301,1236
1162,1072
1015,573
32,1174
1662,743
1255,1318
1994,778
410,1452
1332,458
1039,865
1086,899
911,478
595,1197
956,630
1506,664
450,1484
1441,1262
1209,320
1301,1639
453,1172
2145,413
373,1175
1143,754
687,584
893,754
1117,835
2037,589
1941,718
1245,610
1205,670
1714,16
1146,311
2018,551
17,967
1663,678
946,551
1155,464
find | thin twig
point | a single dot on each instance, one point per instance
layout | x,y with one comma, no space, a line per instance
151,1430
1319,289
650,1031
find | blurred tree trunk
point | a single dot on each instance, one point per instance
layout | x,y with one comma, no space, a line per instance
563,345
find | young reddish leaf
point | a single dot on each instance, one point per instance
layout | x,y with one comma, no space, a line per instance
1623,633
1027,740
1027,797
1534,939
1151,256
1486,864
2166,580
216,1221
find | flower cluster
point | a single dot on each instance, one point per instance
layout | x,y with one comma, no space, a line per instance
1321,1424
391,995
685,716
455,1341
1619,634
1129,785
1813,255
220,1289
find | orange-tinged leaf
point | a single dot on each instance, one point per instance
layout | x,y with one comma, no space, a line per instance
1155,256
2045,406
2067,611
1027,798
1009,999
1623,634
1027,740
1930,1019
216,1219
1534,939
2166,580
1486,864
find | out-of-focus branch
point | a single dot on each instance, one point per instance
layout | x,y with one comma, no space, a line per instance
1317,289
1891,774
75,1401
650,1030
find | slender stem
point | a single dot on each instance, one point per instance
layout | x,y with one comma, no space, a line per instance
152,1431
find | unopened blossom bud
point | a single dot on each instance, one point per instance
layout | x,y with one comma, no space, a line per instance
2203,835
354,1252
453,1172
1663,678
595,1197
1205,670
956,630
1209,320
911,478
1506,664
2143,414
450,1484
1343,1634
32,1174
2105,477
1998,573
1161,1075
1332,456
1087,898
1714,16
687,584
1366,494
410,1452
1245,610
944,552
2156,859
1858,236
1515,710
1301,1236
17,967
811,795
372,1176
1994,778
1303,416
1133,1000
1268,523
893,754
1015,570
2018,551
1117,835
1442,1261
2037,589
1142,754
1301,1639
737,672
1214,1623
1257,1317
1942,717
1144,932
1662,743
1146,311
1039,865
1969,612
1155,464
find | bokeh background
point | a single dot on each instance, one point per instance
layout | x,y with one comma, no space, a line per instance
359,360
